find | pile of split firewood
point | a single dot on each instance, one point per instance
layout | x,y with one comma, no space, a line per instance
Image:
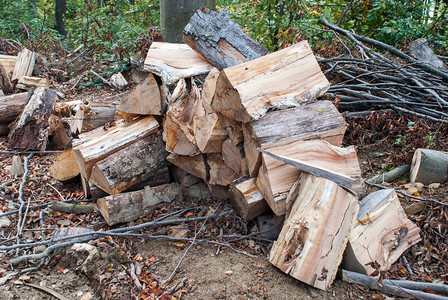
250,131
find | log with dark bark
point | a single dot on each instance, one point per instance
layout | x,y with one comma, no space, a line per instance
173,62
12,106
130,165
380,235
127,207
289,77
31,130
219,40
429,166
5,82
114,139
311,244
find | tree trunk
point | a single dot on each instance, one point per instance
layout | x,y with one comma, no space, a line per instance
59,13
175,14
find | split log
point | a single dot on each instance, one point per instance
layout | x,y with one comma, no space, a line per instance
118,81
381,234
208,90
12,106
286,78
24,65
31,130
311,244
247,199
173,62
30,82
131,165
115,139
320,158
9,63
145,99
319,120
65,167
429,166
220,173
234,129
391,175
275,177
209,133
127,207
233,157
194,165
5,82
183,178
97,114
179,121
98,132
219,40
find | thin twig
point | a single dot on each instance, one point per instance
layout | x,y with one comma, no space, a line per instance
21,220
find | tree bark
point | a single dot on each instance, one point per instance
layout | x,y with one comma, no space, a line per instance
5,83
59,13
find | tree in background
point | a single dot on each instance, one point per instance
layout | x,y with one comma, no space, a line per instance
60,8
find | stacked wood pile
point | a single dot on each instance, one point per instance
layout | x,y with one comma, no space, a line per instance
251,131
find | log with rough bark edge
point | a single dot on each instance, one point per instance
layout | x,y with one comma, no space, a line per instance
247,199
429,166
4,129
127,207
130,165
8,62
12,106
174,61
30,82
318,120
24,65
286,78
322,159
209,133
31,130
220,173
113,140
380,235
194,165
145,99
5,82
65,167
311,244
219,40
178,125
183,178
208,90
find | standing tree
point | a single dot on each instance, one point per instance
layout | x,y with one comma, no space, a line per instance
59,13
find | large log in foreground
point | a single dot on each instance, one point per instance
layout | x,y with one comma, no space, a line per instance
286,78
311,244
219,40
31,130
380,235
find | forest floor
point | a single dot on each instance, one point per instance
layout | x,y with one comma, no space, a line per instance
209,270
